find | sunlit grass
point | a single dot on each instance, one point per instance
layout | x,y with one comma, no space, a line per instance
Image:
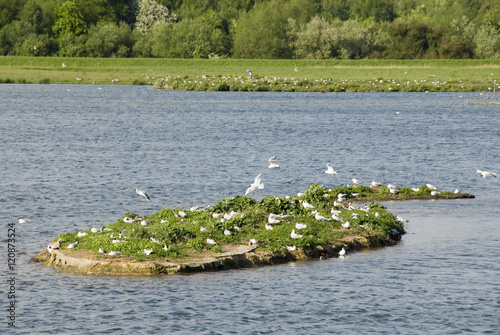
348,75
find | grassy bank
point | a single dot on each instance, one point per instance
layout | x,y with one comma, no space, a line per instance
339,75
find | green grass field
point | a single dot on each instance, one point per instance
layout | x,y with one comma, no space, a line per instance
452,75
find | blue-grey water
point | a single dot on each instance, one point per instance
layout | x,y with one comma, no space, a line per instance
69,152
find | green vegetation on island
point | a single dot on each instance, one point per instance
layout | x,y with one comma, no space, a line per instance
316,218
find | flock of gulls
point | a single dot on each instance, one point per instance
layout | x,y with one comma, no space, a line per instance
272,219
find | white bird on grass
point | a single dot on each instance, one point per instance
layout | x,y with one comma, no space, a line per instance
148,251
319,217
291,248
300,226
346,224
210,241
227,232
81,234
21,220
272,163
204,230
415,189
144,222
72,245
294,235
355,182
431,187
375,184
256,184
305,204
435,192
165,248
485,174
101,251
268,227
128,220
94,229
273,219
330,170
253,241
114,253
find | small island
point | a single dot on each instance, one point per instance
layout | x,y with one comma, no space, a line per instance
239,232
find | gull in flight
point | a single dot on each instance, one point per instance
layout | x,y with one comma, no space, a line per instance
256,184
141,193
485,174
330,170
295,235
21,220
272,163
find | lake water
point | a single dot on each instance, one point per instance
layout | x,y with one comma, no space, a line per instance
69,152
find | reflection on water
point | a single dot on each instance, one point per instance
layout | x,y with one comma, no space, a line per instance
70,152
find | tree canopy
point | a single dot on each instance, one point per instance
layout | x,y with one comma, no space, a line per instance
316,29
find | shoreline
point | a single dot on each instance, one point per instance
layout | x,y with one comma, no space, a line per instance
232,257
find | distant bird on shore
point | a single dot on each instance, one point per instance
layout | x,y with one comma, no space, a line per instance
300,226
210,241
485,174
249,73
114,253
272,163
330,170
72,245
431,187
256,184
342,252
355,182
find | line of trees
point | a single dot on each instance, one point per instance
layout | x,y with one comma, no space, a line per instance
318,29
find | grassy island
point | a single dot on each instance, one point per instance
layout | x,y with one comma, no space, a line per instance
315,224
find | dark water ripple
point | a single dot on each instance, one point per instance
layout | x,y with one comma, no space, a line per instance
69,153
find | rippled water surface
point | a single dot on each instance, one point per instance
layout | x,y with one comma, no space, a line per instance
69,152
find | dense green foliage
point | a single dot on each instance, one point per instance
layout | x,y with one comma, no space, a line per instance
286,29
